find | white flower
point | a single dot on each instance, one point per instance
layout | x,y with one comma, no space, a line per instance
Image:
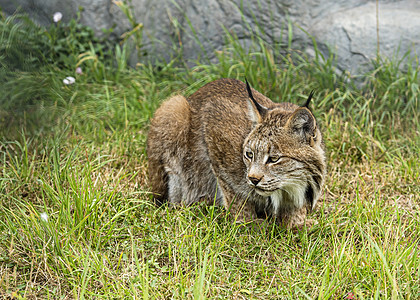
44,217
93,203
57,17
79,70
69,80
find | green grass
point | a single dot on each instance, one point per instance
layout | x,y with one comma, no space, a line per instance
75,216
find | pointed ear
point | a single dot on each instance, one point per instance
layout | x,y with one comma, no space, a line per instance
257,111
302,123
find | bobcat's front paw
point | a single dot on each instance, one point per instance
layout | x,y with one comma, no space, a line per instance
297,220
300,224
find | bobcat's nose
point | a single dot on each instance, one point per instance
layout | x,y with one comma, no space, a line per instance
255,180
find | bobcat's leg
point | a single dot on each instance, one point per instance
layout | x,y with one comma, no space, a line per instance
168,139
242,209
296,219
175,195
158,180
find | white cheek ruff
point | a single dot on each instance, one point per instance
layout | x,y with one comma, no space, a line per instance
296,193
276,200
262,192
289,195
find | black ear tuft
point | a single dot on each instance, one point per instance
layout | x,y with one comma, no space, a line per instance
262,110
248,88
309,99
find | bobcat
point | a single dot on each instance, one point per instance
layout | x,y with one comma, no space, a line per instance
231,145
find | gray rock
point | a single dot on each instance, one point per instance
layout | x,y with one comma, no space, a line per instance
353,35
196,29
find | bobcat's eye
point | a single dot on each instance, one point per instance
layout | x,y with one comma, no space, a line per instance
273,159
249,154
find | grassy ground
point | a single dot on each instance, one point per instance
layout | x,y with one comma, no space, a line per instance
75,216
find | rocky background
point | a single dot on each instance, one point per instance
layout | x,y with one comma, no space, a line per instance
349,28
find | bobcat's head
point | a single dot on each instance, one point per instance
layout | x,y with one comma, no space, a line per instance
284,155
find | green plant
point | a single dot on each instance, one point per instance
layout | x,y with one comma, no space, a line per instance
68,40
22,45
136,32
